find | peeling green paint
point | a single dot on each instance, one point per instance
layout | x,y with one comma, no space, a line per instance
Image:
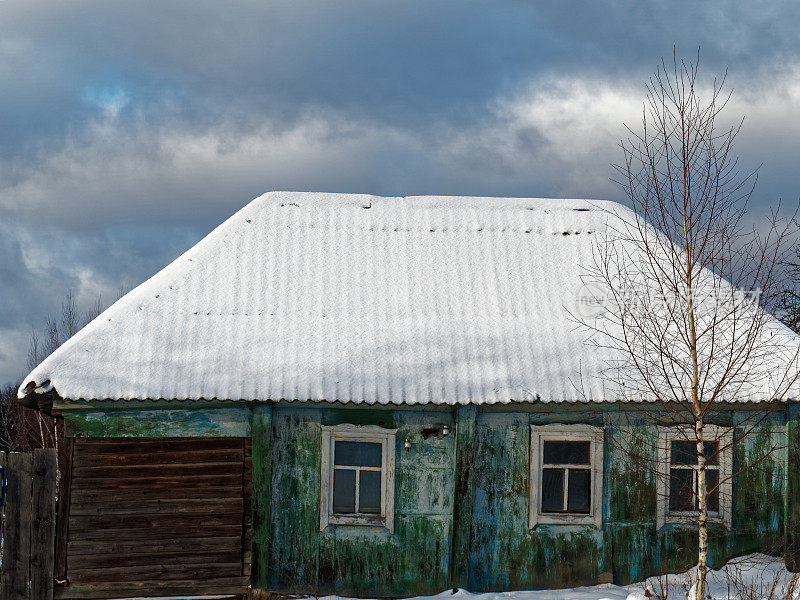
629,480
353,560
792,538
461,501
466,417
758,506
214,422
262,495
295,457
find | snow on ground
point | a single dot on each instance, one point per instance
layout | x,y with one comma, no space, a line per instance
751,577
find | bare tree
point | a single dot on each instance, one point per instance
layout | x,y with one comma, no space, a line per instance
25,429
70,316
53,339
789,298
34,350
94,310
688,287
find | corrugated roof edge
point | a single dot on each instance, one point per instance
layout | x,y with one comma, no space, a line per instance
367,403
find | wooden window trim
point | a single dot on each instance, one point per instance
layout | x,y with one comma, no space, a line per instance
666,435
358,433
566,433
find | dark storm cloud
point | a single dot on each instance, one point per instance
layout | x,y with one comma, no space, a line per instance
129,129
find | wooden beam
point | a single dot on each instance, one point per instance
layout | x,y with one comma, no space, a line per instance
62,516
15,579
43,524
261,484
465,418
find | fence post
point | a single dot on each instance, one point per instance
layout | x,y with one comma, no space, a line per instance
14,582
4,467
62,517
43,524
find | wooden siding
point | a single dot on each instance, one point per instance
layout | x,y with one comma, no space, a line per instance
462,507
461,501
158,516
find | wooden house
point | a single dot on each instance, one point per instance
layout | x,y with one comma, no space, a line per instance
376,396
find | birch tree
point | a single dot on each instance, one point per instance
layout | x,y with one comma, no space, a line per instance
688,284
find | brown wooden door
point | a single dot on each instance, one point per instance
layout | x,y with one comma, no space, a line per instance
158,516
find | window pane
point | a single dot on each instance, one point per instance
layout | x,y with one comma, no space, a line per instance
369,492
711,448
552,490
344,491
681,494
712,479
579,492
357,454
566,453
685,452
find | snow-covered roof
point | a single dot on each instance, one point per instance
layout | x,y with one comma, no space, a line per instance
309,296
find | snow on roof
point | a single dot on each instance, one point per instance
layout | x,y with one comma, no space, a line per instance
310,296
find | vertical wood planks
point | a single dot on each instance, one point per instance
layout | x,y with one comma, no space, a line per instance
27,525
43,524
3,467
261,475
17,530
62,518
462,510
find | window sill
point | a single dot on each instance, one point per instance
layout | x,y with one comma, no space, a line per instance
691,517
554,519
358,520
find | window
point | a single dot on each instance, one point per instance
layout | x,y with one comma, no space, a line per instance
566,475
357,476
678,468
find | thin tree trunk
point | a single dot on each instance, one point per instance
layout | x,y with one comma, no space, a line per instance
41,429
702,516
702,504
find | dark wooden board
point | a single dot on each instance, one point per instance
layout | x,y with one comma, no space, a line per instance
111,495
158,516
228,585
62,515
15,577
156,470
127,459
204,506
103,550
43,523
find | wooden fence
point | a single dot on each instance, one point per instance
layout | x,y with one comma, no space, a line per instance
27,525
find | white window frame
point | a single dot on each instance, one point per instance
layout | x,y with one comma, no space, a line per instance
666,435
566,433
357,433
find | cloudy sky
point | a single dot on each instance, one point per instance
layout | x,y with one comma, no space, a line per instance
129,129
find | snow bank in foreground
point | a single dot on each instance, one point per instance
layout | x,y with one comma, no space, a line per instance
751,577
755,576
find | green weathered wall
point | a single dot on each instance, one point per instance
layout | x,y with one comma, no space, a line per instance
158,422
629,498
461,501
505,553
262,495
360,560
792,550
